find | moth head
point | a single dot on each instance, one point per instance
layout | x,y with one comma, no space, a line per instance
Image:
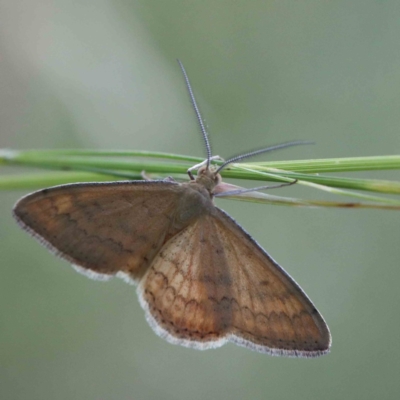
208,177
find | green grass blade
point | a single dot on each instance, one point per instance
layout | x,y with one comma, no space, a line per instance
372,185
40,154
263,198
336,164
39,180
111,165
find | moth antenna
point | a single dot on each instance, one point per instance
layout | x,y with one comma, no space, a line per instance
261,151
197,111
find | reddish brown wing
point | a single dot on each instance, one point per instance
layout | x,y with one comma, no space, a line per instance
270,312
105,228
211,283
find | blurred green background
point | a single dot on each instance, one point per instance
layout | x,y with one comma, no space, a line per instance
102,74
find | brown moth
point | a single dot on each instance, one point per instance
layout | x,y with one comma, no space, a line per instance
202,280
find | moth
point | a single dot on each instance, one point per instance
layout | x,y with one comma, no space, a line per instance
201,279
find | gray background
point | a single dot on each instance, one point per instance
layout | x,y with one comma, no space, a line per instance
102,74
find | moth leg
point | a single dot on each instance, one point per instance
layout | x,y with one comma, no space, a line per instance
169,179
145,176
